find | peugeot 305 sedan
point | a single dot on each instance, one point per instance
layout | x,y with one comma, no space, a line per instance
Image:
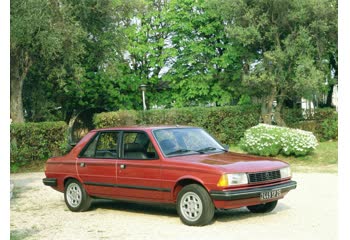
177,165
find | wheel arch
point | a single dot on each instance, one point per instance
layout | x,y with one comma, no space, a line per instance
66,179
187,180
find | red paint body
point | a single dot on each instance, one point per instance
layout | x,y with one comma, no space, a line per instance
161,179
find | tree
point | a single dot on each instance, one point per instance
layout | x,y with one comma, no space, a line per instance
147,52
179,49
206,65
84,72
40,34
290,45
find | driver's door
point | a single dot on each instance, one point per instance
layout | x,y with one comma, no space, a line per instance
139,168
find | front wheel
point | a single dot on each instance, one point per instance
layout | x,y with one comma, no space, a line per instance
263,208
75,196
194,205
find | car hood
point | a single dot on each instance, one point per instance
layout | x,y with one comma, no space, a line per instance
233,162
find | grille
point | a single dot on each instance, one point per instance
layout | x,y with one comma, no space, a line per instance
264,176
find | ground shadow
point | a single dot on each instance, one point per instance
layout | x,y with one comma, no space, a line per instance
135,207
238,214
243,213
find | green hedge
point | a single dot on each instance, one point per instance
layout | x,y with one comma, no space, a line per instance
227,124
32,142
323,122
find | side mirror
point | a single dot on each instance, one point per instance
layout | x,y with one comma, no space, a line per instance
226,147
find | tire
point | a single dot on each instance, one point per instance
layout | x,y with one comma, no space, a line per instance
263,208
75,196
194,205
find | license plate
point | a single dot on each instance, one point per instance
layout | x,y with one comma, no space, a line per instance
270,194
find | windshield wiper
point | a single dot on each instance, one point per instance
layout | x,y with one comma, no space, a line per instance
203,150
179,151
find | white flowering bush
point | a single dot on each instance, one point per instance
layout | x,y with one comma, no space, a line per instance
269,140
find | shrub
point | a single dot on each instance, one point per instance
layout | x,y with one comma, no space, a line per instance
268,140
32,142
323,122
227,124
329,128
114,119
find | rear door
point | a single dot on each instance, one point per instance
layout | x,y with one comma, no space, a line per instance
139,168
97,164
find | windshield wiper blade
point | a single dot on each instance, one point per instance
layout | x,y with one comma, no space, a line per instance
203,150
179,151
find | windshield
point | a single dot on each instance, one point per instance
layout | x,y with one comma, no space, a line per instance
184,141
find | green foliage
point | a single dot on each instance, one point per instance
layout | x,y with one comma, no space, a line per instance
268,140
289,46
115,119
323,122
206,65
45,50
68,54
147,53
34,142
329,128
227,124
78,54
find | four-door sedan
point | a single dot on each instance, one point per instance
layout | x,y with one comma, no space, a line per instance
167,164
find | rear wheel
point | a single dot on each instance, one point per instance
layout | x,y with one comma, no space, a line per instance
263,208
75,196
194,205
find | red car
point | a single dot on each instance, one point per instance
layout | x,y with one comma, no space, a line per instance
167,164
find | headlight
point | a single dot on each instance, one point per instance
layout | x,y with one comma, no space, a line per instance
285,172
232,179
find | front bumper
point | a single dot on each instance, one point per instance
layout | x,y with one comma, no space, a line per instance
252,192
52,182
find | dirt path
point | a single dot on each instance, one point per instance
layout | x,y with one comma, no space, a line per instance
38,212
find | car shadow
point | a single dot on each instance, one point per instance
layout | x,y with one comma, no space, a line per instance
232,215
240,214
135,207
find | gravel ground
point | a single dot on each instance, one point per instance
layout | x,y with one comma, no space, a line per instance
39,212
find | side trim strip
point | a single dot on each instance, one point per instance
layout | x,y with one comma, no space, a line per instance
127,186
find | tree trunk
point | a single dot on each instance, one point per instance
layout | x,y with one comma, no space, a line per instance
20,64
278,118
329,95
267,106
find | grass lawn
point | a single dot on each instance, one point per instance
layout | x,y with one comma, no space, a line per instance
323,159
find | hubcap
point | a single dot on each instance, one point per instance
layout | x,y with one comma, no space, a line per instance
191,206
74,194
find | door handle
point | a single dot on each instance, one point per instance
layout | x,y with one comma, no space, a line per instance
82,164
122,166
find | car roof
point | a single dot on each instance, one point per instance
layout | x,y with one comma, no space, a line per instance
143,127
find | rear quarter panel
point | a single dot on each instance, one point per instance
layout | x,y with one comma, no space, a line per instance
64,167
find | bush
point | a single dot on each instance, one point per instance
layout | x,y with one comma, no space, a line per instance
329,128
114,119
268,140
323,122
227,124
32,142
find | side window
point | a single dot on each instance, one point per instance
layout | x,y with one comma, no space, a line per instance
105,145
137,145
90,150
